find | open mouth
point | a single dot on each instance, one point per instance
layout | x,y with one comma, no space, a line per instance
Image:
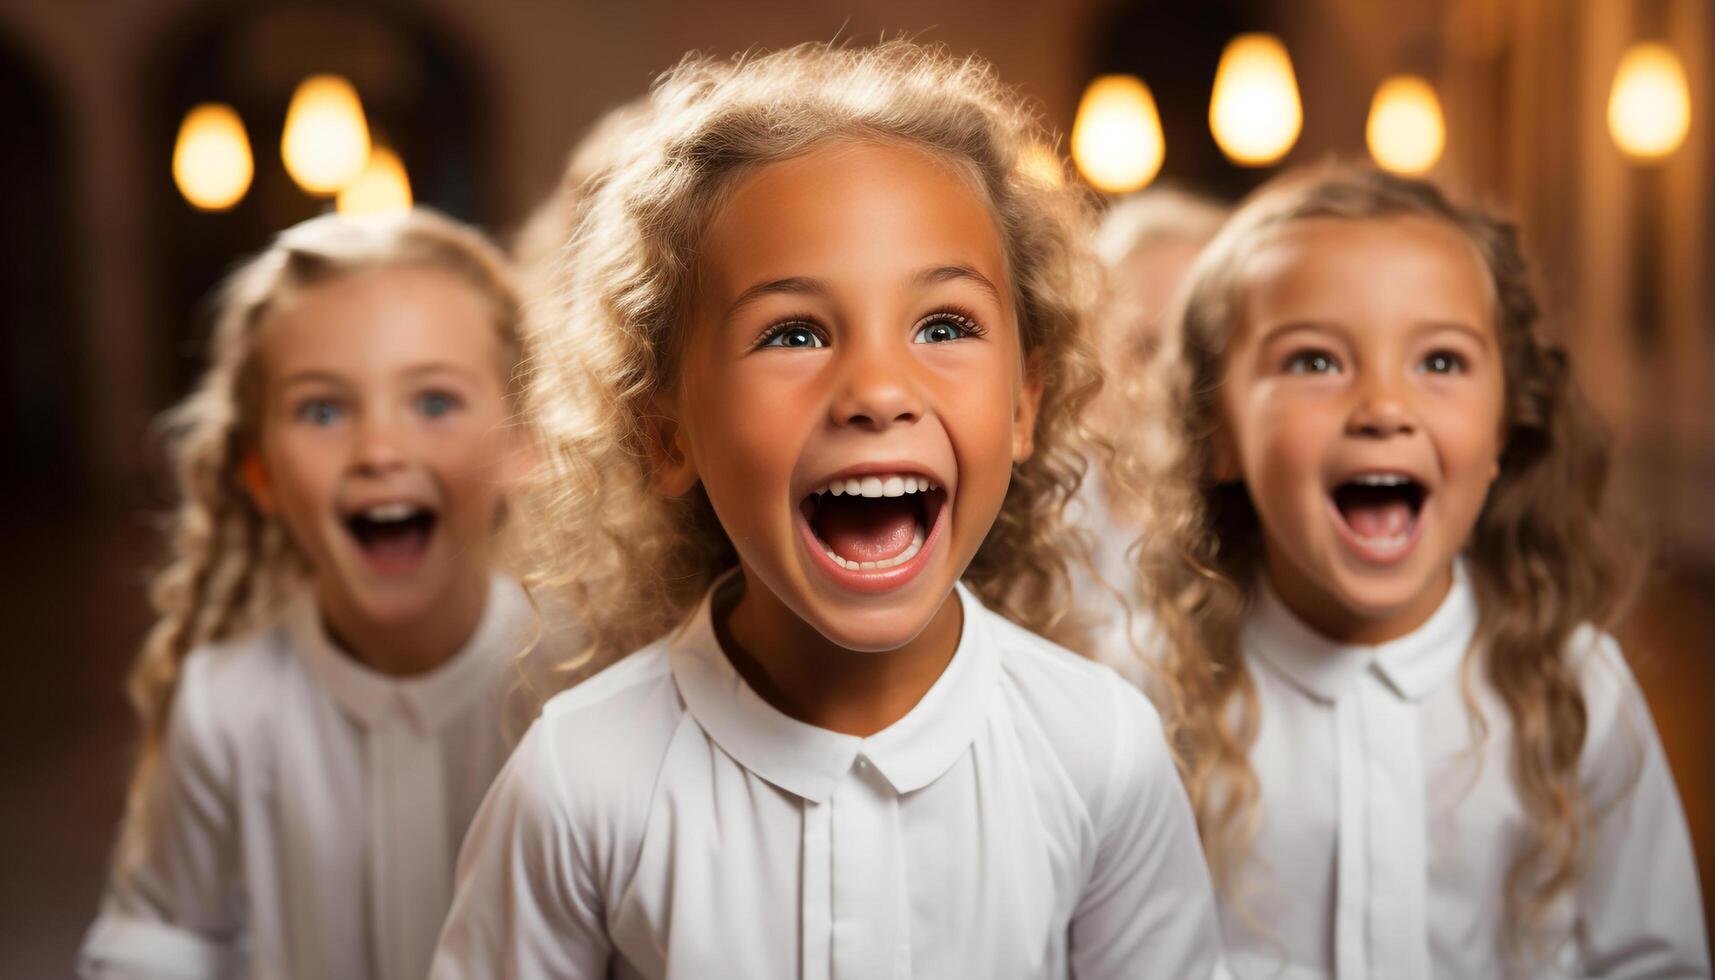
1380,509
392,535
873,523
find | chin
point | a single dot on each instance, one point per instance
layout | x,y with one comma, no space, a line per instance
874,630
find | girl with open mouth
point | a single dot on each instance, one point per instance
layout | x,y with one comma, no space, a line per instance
1413,751
322,698
810,414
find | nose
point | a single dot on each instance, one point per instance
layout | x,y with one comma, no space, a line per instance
876,390
1381,410
378,448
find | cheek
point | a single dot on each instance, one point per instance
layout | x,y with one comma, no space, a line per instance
1283,442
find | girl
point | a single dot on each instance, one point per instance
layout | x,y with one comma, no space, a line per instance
1411,750
320,699
1147,243
822,358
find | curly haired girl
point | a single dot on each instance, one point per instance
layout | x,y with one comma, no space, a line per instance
1411,749
812,411
321,698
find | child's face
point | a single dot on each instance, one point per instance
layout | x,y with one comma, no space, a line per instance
383,448
1363,410
853,328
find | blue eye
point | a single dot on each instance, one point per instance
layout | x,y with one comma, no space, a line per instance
435,404
942,328
1444,362
1311,362
794,335
318,411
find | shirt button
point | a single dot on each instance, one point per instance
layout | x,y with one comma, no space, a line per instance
863,763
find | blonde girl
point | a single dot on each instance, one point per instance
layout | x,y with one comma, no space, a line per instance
1411,749
321,696
1147,243
812,412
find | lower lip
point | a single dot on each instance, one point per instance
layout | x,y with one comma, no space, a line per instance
1390,552
874,580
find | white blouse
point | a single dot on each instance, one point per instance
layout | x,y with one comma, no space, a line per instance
309,809
1120,627
1387,828
662,820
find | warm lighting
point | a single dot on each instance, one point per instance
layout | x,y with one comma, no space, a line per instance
1254,111
1649,109
211,160
1116,139
382,186
1405,132
1041,164
326,142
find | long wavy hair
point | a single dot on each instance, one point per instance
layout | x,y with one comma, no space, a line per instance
1543,557
230,569
633,562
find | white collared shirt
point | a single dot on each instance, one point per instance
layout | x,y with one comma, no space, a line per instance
662,820
1107,594
1387,830
309,809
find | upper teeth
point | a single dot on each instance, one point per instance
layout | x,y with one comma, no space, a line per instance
877,486
1382,479
390,512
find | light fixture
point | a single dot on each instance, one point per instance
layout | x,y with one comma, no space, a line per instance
382,186
1254,110
326,140
211,157
1116,138
1649,109
1406,133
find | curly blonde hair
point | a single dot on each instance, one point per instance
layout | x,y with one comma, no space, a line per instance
633,562
1543,557
230,569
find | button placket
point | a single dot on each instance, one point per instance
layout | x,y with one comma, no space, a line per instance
867,876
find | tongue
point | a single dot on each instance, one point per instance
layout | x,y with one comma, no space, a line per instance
867,528
1378,519
396,545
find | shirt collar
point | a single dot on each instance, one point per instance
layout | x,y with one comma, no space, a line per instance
429,700
1413,665
809,761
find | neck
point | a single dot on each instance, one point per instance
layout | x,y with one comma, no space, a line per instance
1333,619
417,646
805,676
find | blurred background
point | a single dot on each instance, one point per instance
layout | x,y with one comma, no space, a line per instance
143,155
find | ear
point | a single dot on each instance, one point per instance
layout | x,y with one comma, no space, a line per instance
258,483
671,467
1024,413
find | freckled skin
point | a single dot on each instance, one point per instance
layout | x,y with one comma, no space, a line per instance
381,385
761,427
1363,344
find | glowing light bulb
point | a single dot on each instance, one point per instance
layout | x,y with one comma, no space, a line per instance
1649,109
326,140
1406,133
1254,111
1116,139
382,186
211,157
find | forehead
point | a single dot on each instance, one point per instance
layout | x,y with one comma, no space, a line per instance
1394,268
378,319
850,210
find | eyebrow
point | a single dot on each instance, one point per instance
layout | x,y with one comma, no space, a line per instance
1482,337
797,285
319,376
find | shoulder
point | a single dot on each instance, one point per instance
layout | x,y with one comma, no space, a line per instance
1100,727
233,686
1619,730
604,740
